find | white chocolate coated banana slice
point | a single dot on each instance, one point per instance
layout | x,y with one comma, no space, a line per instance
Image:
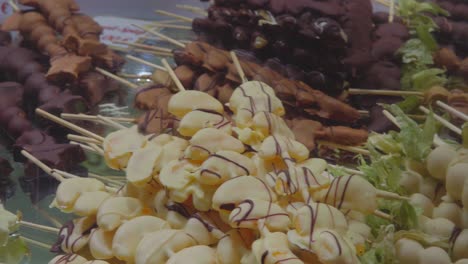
115,210
68,259
224,165
186,101
282,147
251,98
198,119
130,233
274,248
332,248
210,140
74,235
230,248
177,174
194,255
8,224
456,177
88,203
460,244
100,244
250,211
350,192
140,168
236,190
71,189
156,247
119,146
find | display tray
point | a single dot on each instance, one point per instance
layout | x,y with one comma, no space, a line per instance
33,197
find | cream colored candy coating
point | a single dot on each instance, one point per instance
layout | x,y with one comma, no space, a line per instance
100,243
211,140
433,255
464,198
184,102
199,119
438,227
224,165
140,168
194,255
69,190
456,177
236,190
250,211
96,261
450,211
130,233
88,203
144,193
119,145
156,247
460,245
115,210
76,236
407,250
421,201
274,248
68,259
230,248
438,161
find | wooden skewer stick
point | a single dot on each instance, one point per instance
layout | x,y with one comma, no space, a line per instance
391,11
173,75
104,178
133,58
111,122
162,25
117,78
82,139
452,110
239,69
169,14
39,227
85,147
156,53
383,92
194,9
444,122
170,21
96,148
133,76
357,150
143,46
390,195
14,6
43,166
391,118
185,41
36,243
69,125
162,36
382,215
95,118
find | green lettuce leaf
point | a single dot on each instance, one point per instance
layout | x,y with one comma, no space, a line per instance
410,103
14,251
425,79
413,51
382,249
410,130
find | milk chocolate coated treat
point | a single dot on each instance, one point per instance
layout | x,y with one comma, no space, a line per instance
5,168
58,156
152,97
11,94
65,102
156,122
94,86
5,38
